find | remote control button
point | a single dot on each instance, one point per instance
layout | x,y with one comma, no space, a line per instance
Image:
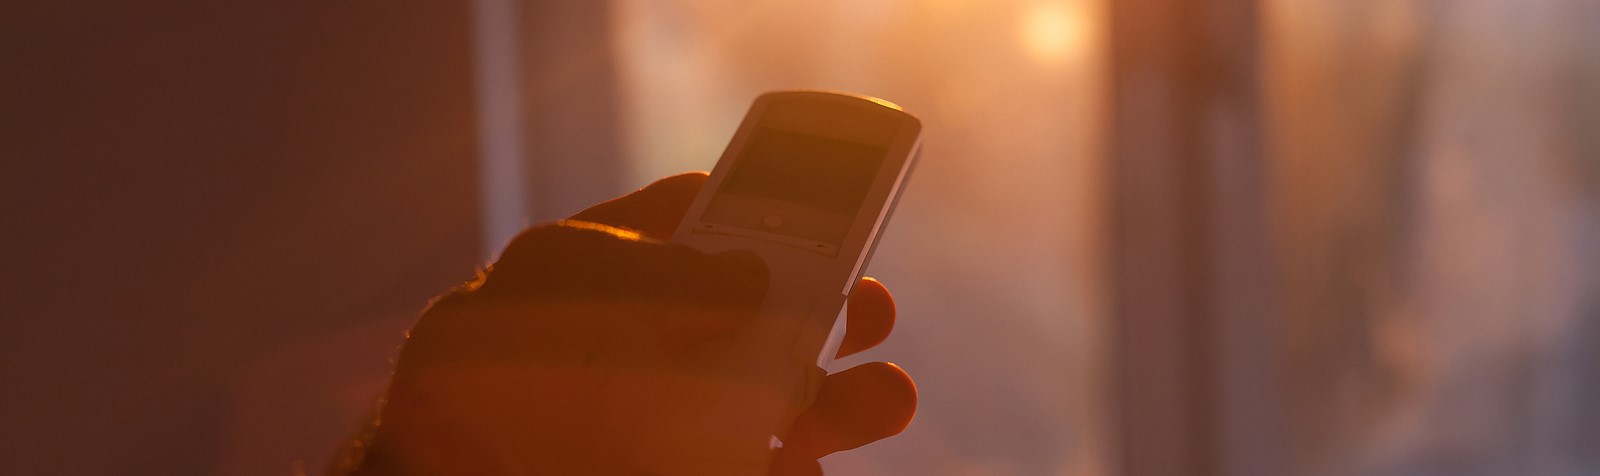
772,221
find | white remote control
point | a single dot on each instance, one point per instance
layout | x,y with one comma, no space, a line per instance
807,184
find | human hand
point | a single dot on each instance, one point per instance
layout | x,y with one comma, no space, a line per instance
559,356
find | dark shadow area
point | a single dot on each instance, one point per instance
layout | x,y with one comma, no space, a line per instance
188,189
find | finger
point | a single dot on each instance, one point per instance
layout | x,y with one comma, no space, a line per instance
861,405
654,210
582,261
870,317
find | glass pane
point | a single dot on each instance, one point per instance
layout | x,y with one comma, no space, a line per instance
992,254
1437,195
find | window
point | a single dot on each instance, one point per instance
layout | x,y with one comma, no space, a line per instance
992,255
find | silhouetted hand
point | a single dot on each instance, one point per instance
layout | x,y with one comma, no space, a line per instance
585,331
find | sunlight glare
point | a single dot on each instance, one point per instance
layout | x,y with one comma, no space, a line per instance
1054,32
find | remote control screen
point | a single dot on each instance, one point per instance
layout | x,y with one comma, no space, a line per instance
806,170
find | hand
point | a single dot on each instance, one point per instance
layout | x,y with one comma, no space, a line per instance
559,356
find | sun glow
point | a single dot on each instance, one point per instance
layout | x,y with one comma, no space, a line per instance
1054,32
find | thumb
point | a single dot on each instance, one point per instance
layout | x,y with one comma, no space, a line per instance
654,210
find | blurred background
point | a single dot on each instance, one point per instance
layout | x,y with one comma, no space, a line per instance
1146,237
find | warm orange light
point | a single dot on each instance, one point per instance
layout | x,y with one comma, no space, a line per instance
623,233
884,103
1054,32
